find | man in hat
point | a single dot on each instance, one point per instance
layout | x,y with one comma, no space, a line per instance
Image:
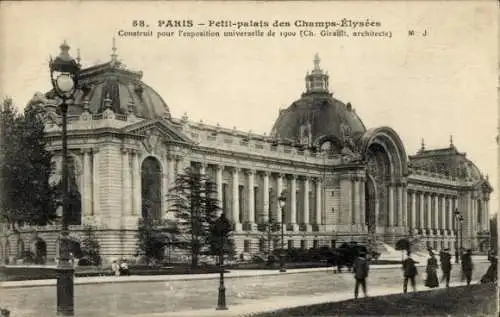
409,272
445,259
360,269
467,266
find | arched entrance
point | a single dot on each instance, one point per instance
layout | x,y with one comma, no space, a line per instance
151,181
379,171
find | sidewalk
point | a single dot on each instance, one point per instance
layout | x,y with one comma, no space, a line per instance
181,277
251,308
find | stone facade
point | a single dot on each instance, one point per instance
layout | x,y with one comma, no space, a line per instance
343,182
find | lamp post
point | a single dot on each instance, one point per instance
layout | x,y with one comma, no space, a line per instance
64,77
282,203
458,222
222,227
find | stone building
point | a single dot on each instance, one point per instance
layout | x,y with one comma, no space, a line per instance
344,181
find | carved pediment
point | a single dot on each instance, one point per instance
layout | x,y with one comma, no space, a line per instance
157,131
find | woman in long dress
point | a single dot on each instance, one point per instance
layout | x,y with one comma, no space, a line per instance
432,266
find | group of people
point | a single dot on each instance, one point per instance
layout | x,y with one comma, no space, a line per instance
361,268
120,268
410,270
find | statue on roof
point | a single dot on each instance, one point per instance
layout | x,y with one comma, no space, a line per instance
45,108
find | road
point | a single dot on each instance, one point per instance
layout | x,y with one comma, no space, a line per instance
117,299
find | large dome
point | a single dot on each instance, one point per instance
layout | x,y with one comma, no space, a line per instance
317,116
111,83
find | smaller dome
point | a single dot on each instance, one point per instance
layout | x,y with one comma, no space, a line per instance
111,85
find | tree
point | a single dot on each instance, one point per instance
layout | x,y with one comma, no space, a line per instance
91,248
194,202
25,169
151,240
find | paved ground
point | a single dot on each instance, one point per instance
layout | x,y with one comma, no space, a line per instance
198,297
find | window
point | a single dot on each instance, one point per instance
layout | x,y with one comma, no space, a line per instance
334,242
303,244
246,246
290,244
315,244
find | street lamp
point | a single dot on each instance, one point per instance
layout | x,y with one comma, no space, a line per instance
64,78
222,227
458,221
282,203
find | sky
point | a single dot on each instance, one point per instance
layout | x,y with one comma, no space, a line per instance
430,87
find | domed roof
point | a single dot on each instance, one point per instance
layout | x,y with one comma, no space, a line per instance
111,83
317,116
448,161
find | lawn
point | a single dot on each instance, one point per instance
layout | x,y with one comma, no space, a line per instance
36,273
476,300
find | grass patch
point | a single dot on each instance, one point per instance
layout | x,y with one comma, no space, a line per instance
36,273
475,300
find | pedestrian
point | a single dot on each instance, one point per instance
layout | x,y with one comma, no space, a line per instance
467,266
432,265
360,269
445,259
491,274
115,268
409,272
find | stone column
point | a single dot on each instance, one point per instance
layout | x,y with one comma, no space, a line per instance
126,183
443,212
404,210
251,197
293,199
236,196
203,168
400,205
413,210
357,203
87,184
362,205
449,213
429,211
345,214
422,224
436,211
391,206
265,197
218,180
136,186
279,189
486,213
318,201
179,165
171,171
306,201
95,183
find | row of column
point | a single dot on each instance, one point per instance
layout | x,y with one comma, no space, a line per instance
432,211
291,203
397,194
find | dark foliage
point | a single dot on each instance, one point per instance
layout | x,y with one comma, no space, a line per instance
194,202
25,167
91,249
152,239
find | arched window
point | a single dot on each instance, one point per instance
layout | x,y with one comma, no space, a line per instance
151,188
